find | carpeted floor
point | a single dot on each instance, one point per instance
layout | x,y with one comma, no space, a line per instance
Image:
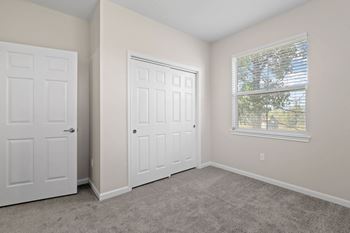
207,200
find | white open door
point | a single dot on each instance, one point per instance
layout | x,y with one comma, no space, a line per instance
162,121
38,119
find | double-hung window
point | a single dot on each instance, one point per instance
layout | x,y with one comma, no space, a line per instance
269,91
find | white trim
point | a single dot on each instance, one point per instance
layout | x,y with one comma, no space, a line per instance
198,117
204,165
192,69
272,45
129,115
305,191
83,181
110,194
298,137
94,189
114,193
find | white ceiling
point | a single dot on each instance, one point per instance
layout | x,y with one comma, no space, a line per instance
208,20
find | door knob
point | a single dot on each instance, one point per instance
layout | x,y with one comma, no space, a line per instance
134,131
71,130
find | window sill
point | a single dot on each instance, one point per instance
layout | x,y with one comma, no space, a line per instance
273,135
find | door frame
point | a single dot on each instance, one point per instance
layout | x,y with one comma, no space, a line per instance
159,61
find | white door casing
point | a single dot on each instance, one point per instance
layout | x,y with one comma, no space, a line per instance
38,102
163,116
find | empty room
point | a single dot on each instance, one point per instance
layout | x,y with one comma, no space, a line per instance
182,116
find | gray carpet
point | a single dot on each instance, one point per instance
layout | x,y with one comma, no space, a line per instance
207,200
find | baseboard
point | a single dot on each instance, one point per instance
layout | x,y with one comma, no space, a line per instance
83,181
114,193
203,165
309,192
110,194
94,189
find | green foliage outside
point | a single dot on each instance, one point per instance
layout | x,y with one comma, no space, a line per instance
269,70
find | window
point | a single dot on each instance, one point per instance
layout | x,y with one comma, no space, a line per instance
269,90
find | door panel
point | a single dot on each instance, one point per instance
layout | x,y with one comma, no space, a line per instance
176,80
161,150
188,107
38,95
57,101
143,105
188,149
20,161
144,154
56,64
20,100
160,77
160,106
57,158
177,106
162,118
176,148
21,63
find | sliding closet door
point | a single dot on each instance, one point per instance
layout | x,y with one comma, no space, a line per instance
150,111
182,128
162,115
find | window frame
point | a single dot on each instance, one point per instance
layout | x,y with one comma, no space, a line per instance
273,134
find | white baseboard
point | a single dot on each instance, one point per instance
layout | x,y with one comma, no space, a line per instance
83,181
94,189
309,192
203,165
110,194
114,193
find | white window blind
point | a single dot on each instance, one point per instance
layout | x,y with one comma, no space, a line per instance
269,88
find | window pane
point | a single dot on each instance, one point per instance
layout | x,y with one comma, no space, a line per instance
281,111
273,68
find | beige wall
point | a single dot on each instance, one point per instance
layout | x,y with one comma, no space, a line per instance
95,98
123,30
323,164
27,23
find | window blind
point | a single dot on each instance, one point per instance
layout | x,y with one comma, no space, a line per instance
269,88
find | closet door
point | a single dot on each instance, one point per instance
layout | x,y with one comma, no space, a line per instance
182,135
162,115
150,108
